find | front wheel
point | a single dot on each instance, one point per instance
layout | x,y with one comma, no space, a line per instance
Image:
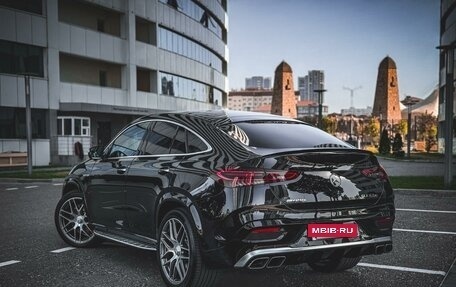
179,253
334,264
72,222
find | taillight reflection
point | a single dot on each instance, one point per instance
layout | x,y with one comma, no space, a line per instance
237,177
375,172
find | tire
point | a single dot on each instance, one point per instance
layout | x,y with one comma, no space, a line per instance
335,264
179,252
72,222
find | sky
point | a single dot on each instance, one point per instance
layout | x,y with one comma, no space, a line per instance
345,38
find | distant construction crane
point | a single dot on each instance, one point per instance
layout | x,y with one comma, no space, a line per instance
352,91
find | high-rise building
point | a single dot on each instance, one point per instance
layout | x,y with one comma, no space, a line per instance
447,130
96,65
257,83
315,80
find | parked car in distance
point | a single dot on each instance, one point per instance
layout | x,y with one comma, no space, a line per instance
215,189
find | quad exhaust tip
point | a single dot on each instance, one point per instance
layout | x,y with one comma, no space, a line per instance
380,249
267,262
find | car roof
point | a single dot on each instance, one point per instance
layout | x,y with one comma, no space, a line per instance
221,117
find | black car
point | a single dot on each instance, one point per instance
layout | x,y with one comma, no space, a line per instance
221,188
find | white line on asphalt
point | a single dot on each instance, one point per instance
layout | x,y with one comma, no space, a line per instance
12,188
426,210
32,186
57,184
425,231
8,263
63,250
426,271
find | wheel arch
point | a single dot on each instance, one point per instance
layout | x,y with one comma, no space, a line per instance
71,185
172,199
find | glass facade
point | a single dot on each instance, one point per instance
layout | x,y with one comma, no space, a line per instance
197,13
183,46
12,123
172,85
18,58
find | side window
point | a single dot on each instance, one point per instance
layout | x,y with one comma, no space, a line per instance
194,143
159,139
128,142
179,142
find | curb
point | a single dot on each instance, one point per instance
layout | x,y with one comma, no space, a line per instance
411,160
450,278
414,191
27,180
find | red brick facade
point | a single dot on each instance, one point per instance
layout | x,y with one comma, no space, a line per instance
283,96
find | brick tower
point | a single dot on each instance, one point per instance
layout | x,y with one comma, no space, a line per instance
283,96
386,102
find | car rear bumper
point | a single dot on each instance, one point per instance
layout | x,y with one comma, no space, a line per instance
261,258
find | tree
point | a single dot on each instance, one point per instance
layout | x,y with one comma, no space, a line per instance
427,130
372,128
397,145
329,124
385,145
400,127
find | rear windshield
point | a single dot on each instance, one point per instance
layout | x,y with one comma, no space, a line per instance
283,135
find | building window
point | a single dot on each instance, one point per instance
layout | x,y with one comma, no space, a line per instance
103,79
172,85
32,6
18,58
181,45
73,126
100,25
12,123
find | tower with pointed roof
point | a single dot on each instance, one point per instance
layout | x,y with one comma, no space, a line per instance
386,101
283,96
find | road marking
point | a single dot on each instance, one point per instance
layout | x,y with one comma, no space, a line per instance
425,231
8,263
63,249
426,210
31,186
399,268
57,184
12,188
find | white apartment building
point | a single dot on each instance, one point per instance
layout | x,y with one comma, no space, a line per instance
95,65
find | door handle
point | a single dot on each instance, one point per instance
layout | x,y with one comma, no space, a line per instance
122,170
164,170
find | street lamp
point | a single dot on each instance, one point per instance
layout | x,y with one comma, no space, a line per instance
320,106
448,117
409,102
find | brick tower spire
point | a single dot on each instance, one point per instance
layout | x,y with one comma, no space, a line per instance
283,96
386,102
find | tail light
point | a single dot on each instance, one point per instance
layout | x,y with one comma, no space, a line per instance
375,172
244,177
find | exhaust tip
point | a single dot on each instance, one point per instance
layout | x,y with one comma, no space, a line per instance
276,261
379,249
388,247
259,263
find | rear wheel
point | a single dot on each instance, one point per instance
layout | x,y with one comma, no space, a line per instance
334,264
179,253
72,222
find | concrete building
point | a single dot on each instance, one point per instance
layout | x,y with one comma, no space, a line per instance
98,64
447,75
357,111
258,83
249,100
309,109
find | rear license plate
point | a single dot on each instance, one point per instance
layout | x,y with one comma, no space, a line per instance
317,231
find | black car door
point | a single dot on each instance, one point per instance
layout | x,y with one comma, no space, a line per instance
162,150
105,192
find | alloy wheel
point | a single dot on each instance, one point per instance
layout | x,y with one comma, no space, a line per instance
174,251
73,221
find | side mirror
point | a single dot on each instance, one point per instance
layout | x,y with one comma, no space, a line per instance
96,152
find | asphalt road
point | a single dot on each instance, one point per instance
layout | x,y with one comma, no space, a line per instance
28,235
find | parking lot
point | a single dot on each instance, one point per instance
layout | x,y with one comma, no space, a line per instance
32,254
